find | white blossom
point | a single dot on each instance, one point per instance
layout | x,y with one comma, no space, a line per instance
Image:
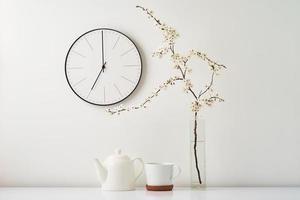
196,106
187,85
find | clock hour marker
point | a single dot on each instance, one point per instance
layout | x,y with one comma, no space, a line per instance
79,82
104,94
130,65
128,80
116,42
78,53
89,44
127,51
118,90
75,68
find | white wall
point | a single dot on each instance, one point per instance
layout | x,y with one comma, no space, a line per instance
48,136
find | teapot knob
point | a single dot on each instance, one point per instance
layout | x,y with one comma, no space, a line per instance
118,151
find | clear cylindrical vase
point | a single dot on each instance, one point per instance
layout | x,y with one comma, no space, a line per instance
197,124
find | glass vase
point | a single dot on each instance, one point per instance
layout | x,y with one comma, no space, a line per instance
197,126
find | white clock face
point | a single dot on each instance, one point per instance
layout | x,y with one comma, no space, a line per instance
103,67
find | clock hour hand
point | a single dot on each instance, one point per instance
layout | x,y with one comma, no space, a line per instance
102,70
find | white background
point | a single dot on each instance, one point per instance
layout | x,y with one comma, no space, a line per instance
48,136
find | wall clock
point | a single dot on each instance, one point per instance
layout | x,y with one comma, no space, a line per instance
103,66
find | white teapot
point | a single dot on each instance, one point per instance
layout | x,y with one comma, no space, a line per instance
118,172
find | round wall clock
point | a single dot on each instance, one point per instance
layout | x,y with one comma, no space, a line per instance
103,66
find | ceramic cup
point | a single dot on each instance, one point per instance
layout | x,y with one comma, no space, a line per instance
161,174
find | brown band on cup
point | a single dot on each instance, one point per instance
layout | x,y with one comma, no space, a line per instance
159,187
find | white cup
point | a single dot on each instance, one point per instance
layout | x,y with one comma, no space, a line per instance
160,174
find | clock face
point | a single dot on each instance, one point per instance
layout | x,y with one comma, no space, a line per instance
103,67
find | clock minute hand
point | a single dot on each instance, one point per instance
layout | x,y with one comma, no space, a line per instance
102,46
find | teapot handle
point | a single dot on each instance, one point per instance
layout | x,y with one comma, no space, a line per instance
142,169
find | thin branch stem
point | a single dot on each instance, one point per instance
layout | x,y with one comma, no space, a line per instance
172,48
150,14
181,71
211,63
184,73
209,86
193,93
216,97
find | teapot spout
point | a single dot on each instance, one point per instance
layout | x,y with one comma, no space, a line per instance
101,171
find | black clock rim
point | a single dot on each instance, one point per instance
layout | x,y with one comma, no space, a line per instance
97,29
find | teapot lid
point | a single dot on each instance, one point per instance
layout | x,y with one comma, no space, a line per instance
118,155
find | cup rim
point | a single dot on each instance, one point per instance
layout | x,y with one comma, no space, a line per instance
159,163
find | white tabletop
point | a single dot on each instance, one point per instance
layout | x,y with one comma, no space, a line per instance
211,193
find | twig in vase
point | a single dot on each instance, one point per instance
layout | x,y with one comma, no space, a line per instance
195,147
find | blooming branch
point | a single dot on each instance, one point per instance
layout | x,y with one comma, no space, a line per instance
171,81
205,97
